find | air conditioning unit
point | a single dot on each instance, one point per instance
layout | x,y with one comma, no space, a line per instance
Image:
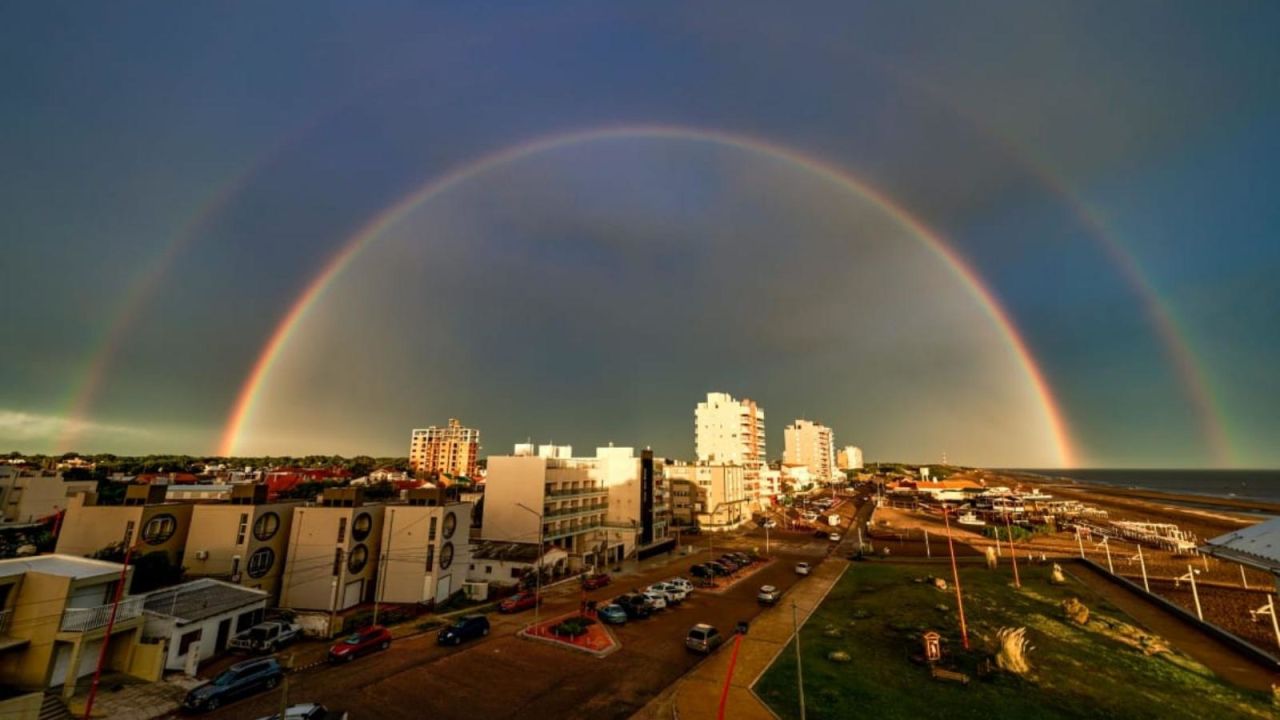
202,554
235,577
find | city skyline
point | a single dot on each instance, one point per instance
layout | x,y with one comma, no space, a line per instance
1044,247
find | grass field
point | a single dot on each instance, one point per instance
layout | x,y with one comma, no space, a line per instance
877,612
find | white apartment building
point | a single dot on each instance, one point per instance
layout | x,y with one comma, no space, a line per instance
522,491
731,431
849,458
813,445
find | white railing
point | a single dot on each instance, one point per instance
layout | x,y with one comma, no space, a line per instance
92,618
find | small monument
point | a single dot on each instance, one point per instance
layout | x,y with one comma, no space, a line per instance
1056,577
991,558
932,646
1075,611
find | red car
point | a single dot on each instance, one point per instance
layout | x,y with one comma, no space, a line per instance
361,642
599,580
519,601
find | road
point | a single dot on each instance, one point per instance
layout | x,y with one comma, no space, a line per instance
504,676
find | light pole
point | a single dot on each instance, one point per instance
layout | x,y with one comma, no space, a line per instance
537,577
795,623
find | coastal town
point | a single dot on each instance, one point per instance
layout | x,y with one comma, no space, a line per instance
635,585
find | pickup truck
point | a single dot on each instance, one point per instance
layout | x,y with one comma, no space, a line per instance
267,636
309,711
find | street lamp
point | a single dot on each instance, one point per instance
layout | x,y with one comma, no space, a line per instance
537,577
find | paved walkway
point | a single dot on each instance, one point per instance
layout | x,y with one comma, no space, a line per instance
696,696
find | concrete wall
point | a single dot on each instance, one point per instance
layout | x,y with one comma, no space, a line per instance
215,530
409,534
513,480
313,539
86,529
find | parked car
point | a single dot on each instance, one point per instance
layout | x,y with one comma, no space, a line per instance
682,583
691,530
593,582
308,711
360,642
701,570
770,523
719,568
834,537
266,636
768,595
802,568
238,681
466,627
520,601
673,594
657,600
743,559
729,563
703,638
613,614
636,606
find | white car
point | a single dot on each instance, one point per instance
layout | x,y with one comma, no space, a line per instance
672,593
657,600
834,537
802,568
682,583
768,595
809,516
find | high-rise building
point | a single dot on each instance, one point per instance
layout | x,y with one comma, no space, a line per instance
849,458
813,445
710,495
727,430
450,450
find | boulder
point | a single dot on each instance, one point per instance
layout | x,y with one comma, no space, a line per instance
1075,611
940,583
839,656
1056,577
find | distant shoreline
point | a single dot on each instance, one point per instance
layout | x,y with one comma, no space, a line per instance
1251,505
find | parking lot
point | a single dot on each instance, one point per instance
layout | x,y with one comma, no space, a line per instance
505,676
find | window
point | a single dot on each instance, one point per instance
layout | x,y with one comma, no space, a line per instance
516,574
242,529
431,532
362,526
358,559
188,639
342,529
260,562
431,556
450,525
159,529
488,569
446,556
266,526
246,620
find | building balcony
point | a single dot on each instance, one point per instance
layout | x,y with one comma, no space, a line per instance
571,531
593,491
579,510
92,618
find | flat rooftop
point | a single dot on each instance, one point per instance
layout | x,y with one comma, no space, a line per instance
201,598
64,565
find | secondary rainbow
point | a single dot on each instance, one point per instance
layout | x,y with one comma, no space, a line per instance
392,214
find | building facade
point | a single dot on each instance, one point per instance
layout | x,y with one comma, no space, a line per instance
426,547
449,450
145,517
849,458
731,431
333,554
55,610
243,541
711,496
29,495
196,619
813,445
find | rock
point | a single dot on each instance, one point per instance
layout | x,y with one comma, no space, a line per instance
832,631
940,583
940,607
839,656
860,614
1075,611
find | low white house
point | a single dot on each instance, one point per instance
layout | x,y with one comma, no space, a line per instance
198,618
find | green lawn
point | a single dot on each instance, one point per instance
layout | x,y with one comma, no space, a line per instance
1078,672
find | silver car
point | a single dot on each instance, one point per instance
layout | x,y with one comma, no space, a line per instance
768,595
703,638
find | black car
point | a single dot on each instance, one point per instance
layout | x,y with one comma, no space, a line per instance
636,606
464,628
719,568
238,681
701,570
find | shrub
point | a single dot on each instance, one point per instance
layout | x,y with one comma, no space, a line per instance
573,627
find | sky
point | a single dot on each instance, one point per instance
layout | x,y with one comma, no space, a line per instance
1017,234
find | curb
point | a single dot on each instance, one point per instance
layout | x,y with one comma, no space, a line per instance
613,648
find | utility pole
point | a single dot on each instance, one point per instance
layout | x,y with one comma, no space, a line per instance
955,575
795,624
927,551
1079,542
537,577
1143,564
1013,552
383,563
338,581
284,686
111,622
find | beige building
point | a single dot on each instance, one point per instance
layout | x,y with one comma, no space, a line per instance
813,445
54,618
849,458
450,450
562,494
243,540
711,496
28,495
426,547
727,430
333,552
145,517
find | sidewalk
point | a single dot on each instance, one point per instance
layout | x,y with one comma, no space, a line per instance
696,696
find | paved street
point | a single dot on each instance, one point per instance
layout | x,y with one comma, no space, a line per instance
505,676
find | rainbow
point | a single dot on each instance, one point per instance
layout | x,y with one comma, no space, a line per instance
366,235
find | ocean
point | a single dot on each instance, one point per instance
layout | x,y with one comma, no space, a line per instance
1253,484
